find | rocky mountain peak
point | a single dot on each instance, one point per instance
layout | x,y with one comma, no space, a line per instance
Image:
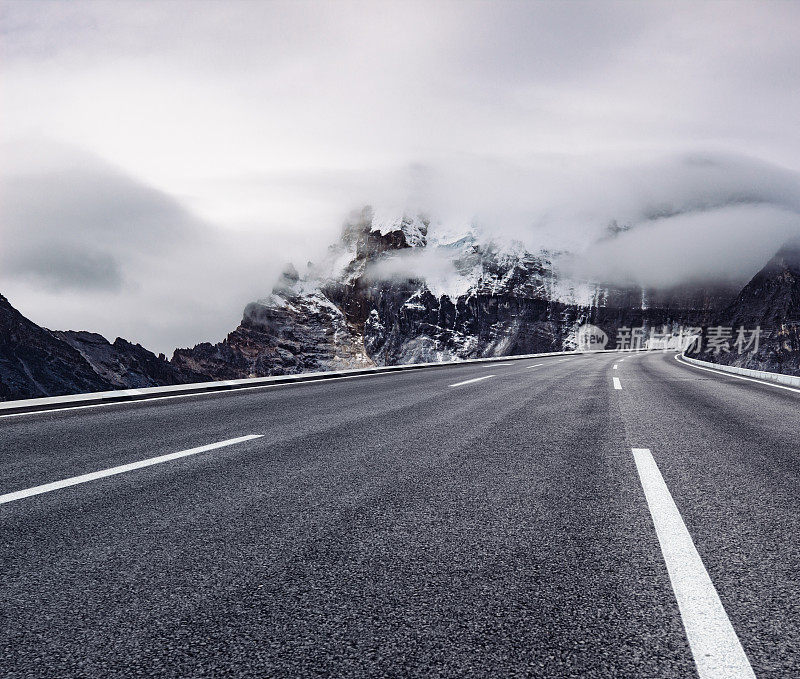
405,230
369,233
770,305
784,266
772,297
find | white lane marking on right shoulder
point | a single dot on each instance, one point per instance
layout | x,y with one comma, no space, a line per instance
717,651
617,383
476,379
84,478
722,373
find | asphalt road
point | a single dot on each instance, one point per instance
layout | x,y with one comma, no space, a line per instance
395,525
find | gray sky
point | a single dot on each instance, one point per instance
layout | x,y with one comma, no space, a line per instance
161,161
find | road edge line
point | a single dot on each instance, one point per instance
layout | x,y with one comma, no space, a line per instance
94,399
724,373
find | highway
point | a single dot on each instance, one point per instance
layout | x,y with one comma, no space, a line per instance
607,515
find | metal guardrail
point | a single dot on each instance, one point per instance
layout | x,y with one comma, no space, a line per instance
31,405
779,378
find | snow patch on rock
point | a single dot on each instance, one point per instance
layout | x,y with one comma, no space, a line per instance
414,228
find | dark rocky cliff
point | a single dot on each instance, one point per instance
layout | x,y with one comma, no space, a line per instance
771,302
125,365
37,362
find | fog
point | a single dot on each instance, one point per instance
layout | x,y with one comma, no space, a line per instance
86,246
162,161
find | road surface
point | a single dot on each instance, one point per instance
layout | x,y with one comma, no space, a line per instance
596,516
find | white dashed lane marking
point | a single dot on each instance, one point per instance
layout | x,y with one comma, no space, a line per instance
715,646
112,471
476,379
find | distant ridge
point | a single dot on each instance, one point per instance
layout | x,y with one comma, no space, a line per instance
37,362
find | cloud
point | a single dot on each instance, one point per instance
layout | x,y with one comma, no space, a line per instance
61,267
237,135
86,246
71,221
697,217
657,222
719,245
569,202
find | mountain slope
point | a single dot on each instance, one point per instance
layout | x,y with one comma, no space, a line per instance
772,298
771,302
124,365
37,362
282,334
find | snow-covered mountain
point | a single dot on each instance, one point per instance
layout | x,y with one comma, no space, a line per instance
403,289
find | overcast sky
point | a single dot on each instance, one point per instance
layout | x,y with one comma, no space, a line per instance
161,161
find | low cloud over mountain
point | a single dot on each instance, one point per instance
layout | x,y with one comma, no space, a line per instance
167,162
86,245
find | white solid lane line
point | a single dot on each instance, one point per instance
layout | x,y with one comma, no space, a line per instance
617,383
717,651
476,379
535,365
84,478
